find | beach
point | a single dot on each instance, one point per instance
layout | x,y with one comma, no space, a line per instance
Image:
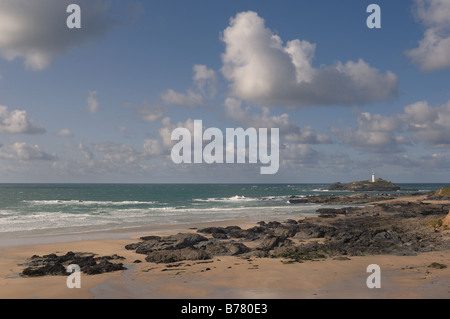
232,277
244,276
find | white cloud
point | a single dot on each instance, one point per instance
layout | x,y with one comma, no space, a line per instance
166,131
24,152
375,134
261,68
433,52
429,124
153,147
17,122
148,112
307,135
379,123
419,122
205,88
288,128
92,103
65,133
189,99
36,30
117,153
298,155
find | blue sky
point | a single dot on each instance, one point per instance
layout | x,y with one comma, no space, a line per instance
98,104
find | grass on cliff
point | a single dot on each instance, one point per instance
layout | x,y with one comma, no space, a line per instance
378,182
444,191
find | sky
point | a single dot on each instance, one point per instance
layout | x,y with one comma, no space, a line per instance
98,104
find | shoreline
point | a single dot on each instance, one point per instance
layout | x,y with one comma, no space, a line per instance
229,277
233,277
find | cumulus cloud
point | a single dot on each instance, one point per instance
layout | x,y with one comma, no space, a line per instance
204,88
92,103
117,153
288,128
429,124
167,128
36,30
299,154
24,152
419,122
375,134
261,68
433,52
17,122
153,147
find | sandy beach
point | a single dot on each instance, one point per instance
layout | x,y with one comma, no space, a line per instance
221,277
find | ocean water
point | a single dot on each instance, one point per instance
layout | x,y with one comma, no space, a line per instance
76,208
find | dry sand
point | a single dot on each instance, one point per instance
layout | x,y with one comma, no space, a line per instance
226,277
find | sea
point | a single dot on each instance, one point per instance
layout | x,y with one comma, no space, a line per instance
52,209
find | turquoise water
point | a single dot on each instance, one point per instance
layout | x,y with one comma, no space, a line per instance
66,208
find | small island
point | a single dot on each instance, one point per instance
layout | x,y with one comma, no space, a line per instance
379,185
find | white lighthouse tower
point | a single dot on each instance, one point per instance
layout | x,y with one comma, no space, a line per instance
373,177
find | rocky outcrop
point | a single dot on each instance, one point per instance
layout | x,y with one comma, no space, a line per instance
366,186
357,198
385,228
54,265
441,194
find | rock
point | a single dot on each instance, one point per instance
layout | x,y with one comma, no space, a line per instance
150,238
308,230
356,198
102,267
46,270
436,265
270,242
379,185
286,231
395,227
155,243
169,256
231,249
144,247
212,230
331,212
234,232
55,265
184,240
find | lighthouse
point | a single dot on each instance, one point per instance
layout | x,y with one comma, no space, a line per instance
373,177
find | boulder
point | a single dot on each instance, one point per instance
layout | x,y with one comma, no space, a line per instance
170,256
271,242
230,249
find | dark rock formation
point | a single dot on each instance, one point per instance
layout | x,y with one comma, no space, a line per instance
358,198
54,265
366,186
174,255
382,228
